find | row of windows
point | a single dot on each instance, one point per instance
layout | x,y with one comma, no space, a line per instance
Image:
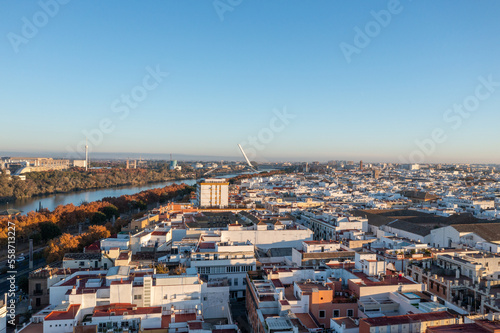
60,325
210,256
234,282
336,313
224,269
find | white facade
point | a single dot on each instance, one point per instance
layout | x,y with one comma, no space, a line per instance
269,238
108,243
229,261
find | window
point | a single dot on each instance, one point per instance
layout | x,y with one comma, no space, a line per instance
336,313
204,270
82,263
350,312
235,281
322,313
137,296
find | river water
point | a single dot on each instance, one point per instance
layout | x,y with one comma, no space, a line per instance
51,201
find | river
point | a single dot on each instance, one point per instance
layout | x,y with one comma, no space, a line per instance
51,201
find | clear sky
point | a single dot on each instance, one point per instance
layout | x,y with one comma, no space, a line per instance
234,64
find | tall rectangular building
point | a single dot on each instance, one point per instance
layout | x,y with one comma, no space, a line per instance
212,193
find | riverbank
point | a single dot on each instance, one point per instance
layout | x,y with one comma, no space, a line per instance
51,201
12,200
76,179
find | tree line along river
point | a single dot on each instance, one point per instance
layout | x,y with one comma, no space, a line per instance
51,201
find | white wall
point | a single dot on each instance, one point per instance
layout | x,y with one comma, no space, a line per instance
269,238
215,301
440,237
58,326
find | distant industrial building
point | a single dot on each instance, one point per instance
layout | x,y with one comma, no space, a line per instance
80,163
20,165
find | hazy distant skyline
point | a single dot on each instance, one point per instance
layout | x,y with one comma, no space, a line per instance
209,75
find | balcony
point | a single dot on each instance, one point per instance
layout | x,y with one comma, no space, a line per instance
37,292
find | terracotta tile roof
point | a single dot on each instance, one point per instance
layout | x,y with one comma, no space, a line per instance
207,245
306,320
277,283
64,315
120,309
195,325
158,233
408,318
183,318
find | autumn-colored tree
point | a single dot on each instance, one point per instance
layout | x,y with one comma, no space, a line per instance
162,269
41,226
95,232
181,269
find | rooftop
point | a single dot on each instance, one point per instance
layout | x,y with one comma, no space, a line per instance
70,313
408,318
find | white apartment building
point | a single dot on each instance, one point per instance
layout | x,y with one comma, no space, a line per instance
134,298
325,227
217,261
212,193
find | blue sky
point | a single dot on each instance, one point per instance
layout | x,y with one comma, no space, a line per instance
228,77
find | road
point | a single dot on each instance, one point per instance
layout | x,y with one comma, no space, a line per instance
22,270
3,263
239,314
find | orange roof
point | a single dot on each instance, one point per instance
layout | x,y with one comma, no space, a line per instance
183,318
306,320
122,309
64,315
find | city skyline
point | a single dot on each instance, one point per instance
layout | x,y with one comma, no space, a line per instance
381,81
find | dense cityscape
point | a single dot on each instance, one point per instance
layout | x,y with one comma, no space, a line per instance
341,246
237,166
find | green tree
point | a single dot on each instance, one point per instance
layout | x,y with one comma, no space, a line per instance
110,211
49,230
99,218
